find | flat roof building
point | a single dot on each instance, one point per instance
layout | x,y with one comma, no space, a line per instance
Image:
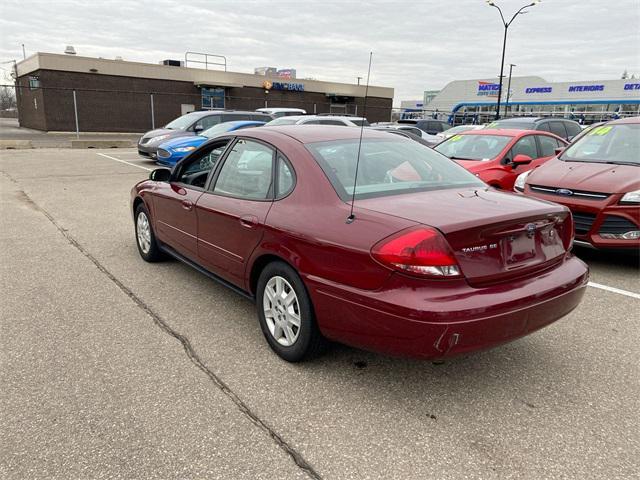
123,96
535,96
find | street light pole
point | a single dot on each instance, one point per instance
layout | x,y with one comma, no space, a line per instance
504,44
506,105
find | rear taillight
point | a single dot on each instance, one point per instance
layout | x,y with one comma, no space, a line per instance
568,232
418,251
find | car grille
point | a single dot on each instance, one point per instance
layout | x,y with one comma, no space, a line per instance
617,225
582,222
162,153
143,153
565,192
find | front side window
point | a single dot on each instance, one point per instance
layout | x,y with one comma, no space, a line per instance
208,122
525,146
617,144
387,167
247,172
196,171
548,145
329,122
473,147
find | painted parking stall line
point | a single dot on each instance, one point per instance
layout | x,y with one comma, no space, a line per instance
124,161
615,290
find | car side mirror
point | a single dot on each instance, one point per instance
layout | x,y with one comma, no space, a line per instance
559,150
160,175
521,159
197,128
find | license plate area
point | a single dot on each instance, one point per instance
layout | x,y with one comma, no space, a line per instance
518,248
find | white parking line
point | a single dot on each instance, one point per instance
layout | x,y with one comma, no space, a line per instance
591,284
124,161
615,290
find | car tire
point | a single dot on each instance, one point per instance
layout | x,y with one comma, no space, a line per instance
145,238
282,301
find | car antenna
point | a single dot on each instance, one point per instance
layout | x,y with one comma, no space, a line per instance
351,216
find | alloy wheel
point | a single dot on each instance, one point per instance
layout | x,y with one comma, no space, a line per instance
281,311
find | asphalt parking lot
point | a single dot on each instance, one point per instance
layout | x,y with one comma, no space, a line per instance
115,368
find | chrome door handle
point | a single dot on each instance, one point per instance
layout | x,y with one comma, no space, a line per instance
248,221
187,205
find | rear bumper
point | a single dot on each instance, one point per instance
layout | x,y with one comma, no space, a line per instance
445,318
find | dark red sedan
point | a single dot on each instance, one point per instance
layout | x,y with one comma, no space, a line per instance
598,178
499,156
432,263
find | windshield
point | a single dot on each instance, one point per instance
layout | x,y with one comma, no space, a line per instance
181,123
387,167
607,144
473,147
283,121
217,130
459,129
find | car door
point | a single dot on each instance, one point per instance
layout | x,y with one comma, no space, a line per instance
174,201
526,145
232,212
557,127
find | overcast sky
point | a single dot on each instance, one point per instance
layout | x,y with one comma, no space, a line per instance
417,44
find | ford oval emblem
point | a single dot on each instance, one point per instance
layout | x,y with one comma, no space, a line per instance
564,191
530,229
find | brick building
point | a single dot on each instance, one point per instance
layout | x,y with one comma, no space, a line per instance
121,96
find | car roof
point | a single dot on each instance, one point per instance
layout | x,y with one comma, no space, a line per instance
220,112
235,123
505,132
623,121
315,133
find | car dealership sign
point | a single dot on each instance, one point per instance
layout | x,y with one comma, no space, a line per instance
292,87
488,89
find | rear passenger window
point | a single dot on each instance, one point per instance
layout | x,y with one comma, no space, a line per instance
558,129
544,127
286,178
232,117
548,145
247,172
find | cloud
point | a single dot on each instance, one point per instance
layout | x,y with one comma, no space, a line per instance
417,45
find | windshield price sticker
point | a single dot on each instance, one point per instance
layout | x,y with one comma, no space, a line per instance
600,131
455,138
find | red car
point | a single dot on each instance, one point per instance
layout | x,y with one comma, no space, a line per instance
429,267
598,178
499,156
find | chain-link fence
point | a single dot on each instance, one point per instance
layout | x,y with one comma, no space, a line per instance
77,109
95,110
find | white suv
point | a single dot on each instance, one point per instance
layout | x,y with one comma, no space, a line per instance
319,120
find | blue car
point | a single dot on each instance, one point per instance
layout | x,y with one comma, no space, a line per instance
174,150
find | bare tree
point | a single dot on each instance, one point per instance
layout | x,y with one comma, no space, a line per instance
7,98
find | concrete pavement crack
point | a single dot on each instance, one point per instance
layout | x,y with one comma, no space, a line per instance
186,344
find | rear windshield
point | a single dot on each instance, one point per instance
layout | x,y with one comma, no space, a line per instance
283,121
473,147
183,122
619,144
387,167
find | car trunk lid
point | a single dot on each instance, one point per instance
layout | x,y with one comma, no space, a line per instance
495,236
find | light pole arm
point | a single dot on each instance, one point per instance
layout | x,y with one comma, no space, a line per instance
516,14
501,15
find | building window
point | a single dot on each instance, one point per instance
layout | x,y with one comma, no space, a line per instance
212,97
34,82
